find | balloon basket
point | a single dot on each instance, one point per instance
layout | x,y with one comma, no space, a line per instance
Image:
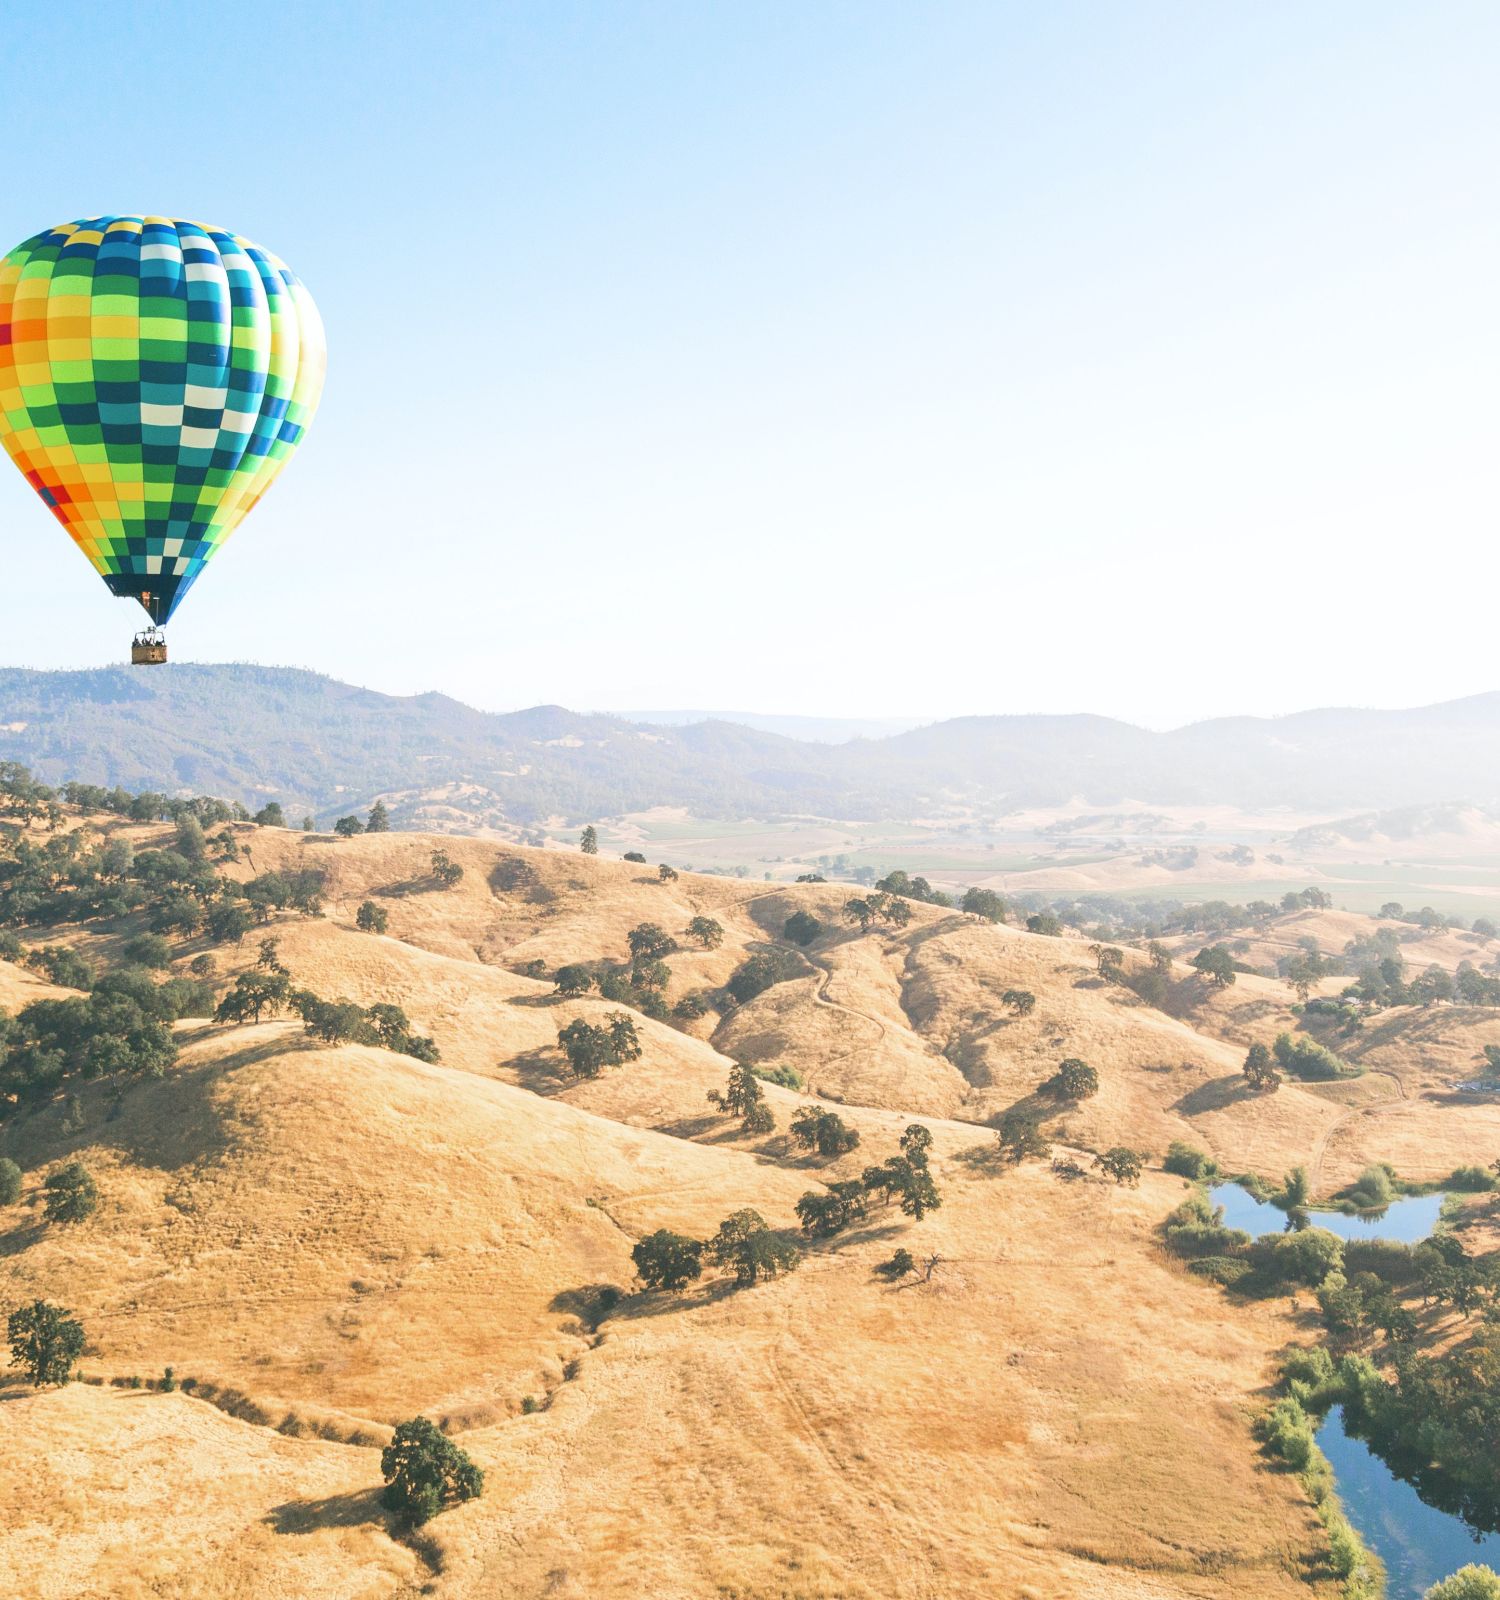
148,649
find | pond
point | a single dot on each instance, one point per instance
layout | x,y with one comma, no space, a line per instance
1419,1544
1408,1219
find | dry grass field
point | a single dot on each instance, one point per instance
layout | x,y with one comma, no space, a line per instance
331,1239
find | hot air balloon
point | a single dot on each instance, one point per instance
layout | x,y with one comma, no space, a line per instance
155,375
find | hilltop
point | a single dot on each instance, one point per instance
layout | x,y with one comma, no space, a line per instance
327,1238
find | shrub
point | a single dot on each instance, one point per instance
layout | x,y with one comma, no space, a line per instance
1307,1059
45,1341
787,1077
1474,1582
573,979
425,1471
666,874
1373,1190
1387,1259
636,857
899,1265
371,918
1305,1257
1226,1271
1188,1162
1471,1180
1122,1164
1196,1228
1288,1433
10,1182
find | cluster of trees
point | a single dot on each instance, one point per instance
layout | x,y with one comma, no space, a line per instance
744,1244
909,888
878,906
747,1246
1385,983
267,989
120,1031
1443,1408
26,800
74,877
378,821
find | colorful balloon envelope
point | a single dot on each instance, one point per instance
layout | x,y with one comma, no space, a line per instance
155,375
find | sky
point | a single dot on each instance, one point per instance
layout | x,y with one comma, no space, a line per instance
861,359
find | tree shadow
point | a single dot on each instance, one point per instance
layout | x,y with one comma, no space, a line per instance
350,1509
538,1001
541,1071
667,1302
710,1129
16,1241
590,1303
409,886
1216,1095
987,1160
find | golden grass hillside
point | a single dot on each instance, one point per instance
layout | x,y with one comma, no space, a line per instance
329,1239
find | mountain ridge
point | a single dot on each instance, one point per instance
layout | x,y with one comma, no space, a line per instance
319,745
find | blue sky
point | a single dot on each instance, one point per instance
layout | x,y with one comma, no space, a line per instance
874,359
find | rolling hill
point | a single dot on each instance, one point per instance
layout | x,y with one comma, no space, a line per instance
329,1238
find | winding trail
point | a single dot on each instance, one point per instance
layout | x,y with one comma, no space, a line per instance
1351,1115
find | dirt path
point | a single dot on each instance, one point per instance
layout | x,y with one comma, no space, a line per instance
1315,1178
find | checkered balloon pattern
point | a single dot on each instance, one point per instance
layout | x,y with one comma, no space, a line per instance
155,376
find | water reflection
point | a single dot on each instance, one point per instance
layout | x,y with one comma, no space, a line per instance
1419,1541
1409,1219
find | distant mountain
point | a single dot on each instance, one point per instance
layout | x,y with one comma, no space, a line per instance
817,730
321,746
